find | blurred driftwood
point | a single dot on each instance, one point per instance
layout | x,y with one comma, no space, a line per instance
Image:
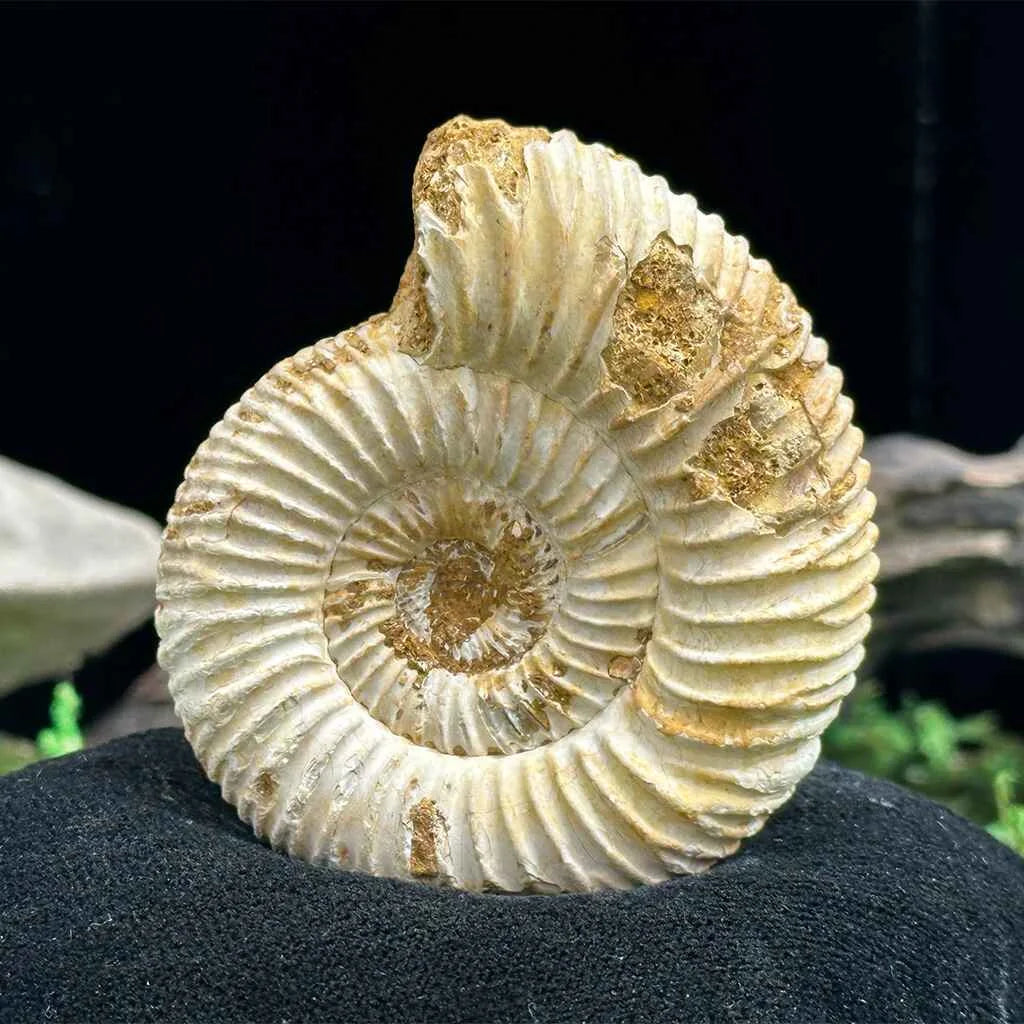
951,546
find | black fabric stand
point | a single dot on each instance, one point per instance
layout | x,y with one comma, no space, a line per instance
130,892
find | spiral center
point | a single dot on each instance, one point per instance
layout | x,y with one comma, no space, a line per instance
452,586
466,606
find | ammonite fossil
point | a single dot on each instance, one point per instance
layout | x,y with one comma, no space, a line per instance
550,577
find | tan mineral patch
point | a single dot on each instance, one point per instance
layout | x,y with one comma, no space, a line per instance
194,508
794,380
751,335
410,312
553,694
782,318
841,487
716,726
427,825
747,452
666,327
623,667
279,379
352,339
535,709
264,786
745,462
463,598
463,141
308,362
349,600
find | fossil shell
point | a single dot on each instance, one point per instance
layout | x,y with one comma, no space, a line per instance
76,573
549,578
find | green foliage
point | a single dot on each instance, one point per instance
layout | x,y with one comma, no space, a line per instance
1009,828
63,736
968,764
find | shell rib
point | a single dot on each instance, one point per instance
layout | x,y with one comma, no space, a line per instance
551,577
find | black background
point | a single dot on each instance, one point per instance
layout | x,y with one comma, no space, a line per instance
191,193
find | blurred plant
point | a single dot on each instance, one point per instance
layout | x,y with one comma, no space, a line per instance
63,736
968,764
1009,828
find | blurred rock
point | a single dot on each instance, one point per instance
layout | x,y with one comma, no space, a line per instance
76,573
146,705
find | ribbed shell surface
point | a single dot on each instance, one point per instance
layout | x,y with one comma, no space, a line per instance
548,579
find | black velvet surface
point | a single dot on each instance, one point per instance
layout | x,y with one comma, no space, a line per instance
130,892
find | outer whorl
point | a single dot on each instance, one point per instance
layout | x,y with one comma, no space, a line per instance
550,577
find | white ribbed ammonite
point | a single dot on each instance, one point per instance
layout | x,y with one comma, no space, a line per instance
550,577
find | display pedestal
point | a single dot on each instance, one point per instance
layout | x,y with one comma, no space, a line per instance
129,891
